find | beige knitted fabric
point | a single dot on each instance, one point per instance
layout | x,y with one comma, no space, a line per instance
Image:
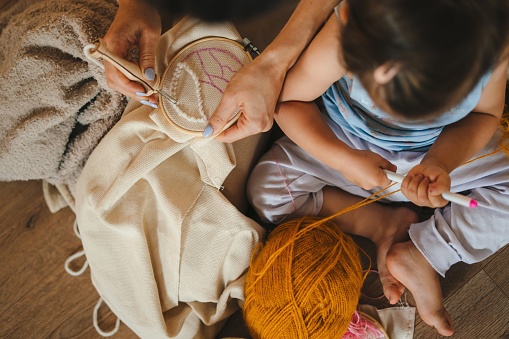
167,250
55,103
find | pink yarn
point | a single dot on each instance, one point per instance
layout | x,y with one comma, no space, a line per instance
361,328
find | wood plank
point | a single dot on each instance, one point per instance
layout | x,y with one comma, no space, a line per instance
498,270
37,297
478,310
458,275
34,242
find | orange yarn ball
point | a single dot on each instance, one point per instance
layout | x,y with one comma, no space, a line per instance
304,283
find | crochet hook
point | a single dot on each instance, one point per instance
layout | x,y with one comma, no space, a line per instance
99,50
453,197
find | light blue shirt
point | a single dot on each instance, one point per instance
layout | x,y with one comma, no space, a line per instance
349,105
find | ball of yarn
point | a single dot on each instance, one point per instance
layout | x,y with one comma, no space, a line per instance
305,282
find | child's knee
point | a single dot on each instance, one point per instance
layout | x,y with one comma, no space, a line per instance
262,191
270,196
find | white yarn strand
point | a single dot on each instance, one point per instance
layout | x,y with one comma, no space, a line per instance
96,323
86,50
181,66
75,256
75,228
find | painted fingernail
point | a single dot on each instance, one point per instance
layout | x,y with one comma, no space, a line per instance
207,132
148,103
141,94
150,74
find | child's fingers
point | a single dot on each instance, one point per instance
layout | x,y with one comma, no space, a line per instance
382,179
437,200
412,185
422,192
435,190
415,188
385,164
440,185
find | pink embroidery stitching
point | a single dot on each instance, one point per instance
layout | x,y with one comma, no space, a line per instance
212,77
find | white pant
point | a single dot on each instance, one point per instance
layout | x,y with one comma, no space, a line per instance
454,233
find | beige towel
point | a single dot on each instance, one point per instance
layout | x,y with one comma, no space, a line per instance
55,103
167,250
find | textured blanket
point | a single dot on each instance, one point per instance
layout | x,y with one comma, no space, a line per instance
55,104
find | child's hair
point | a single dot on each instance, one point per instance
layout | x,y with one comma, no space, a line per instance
304,283
441,47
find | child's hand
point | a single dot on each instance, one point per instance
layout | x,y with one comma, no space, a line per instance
365,169
425,183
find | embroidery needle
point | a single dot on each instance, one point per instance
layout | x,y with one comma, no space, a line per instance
453,197
173,101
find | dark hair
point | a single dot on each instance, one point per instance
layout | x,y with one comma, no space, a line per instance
442,48
216,10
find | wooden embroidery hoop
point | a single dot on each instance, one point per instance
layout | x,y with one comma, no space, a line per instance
379,326
161,85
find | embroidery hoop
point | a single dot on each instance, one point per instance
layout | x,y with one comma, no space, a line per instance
202,68
376,323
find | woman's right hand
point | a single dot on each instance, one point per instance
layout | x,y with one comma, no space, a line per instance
136,24
365,169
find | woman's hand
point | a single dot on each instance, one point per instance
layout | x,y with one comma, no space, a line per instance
136,24
425,183
365,169
255,89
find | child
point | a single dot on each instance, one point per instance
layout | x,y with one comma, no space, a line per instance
421,90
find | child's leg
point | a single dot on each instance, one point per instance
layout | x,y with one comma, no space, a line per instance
383,224
456,233
288,183
453,234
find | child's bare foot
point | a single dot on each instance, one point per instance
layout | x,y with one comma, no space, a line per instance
393,230
410,267
382,224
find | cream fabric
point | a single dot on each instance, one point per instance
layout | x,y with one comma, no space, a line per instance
167,250
57,196
398,322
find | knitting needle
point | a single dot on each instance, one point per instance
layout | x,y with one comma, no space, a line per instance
453,197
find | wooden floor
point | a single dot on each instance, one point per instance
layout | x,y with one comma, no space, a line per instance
38,299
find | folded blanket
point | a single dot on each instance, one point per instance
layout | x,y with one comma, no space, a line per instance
55,104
